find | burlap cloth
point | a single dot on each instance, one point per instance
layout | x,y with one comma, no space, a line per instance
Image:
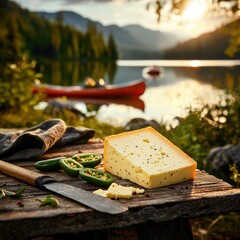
34,142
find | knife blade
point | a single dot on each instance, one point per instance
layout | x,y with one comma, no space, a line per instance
96,202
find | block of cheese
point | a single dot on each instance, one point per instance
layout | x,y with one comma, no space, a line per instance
147,158
118,191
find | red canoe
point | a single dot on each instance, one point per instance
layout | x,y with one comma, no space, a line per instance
131,89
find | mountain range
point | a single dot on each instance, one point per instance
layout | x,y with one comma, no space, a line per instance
138,42
133,41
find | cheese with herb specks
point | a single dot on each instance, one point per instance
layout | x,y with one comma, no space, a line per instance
147,158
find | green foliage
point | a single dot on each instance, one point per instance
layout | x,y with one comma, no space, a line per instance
102,129
16,87
17,119
235,174
208,127
188,136
175,8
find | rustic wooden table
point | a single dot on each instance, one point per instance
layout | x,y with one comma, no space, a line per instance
161,213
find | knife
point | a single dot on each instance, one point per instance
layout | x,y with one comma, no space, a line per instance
82,196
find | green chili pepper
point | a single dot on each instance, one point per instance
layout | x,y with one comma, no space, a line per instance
48,165
70,166
88,160
96,177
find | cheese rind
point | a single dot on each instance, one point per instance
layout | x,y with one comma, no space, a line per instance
147,158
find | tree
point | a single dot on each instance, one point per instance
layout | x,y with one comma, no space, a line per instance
55,40
4,3
231,8
113,53
13,37
176,7
60,18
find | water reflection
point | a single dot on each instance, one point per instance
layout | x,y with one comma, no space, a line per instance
184,84
128,102
164,103
69,73
220,77
222,74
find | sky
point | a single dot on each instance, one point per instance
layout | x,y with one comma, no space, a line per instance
124,12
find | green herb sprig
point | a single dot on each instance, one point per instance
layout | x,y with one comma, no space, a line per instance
4,193
48,200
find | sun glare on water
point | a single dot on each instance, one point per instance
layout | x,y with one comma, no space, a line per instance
195,9
195,63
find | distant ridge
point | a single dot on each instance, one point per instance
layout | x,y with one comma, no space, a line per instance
156,39
210,45
133,41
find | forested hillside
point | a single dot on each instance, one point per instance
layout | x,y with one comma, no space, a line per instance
213,45
133,41
25,32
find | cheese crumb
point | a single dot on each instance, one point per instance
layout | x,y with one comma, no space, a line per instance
117,191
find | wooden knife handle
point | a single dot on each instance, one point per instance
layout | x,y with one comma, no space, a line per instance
20,173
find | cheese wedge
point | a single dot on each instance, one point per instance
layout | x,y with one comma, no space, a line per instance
147,158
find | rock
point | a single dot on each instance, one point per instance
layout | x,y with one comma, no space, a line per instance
137,123
58,106
220,158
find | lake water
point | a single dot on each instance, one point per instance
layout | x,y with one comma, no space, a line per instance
181,84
